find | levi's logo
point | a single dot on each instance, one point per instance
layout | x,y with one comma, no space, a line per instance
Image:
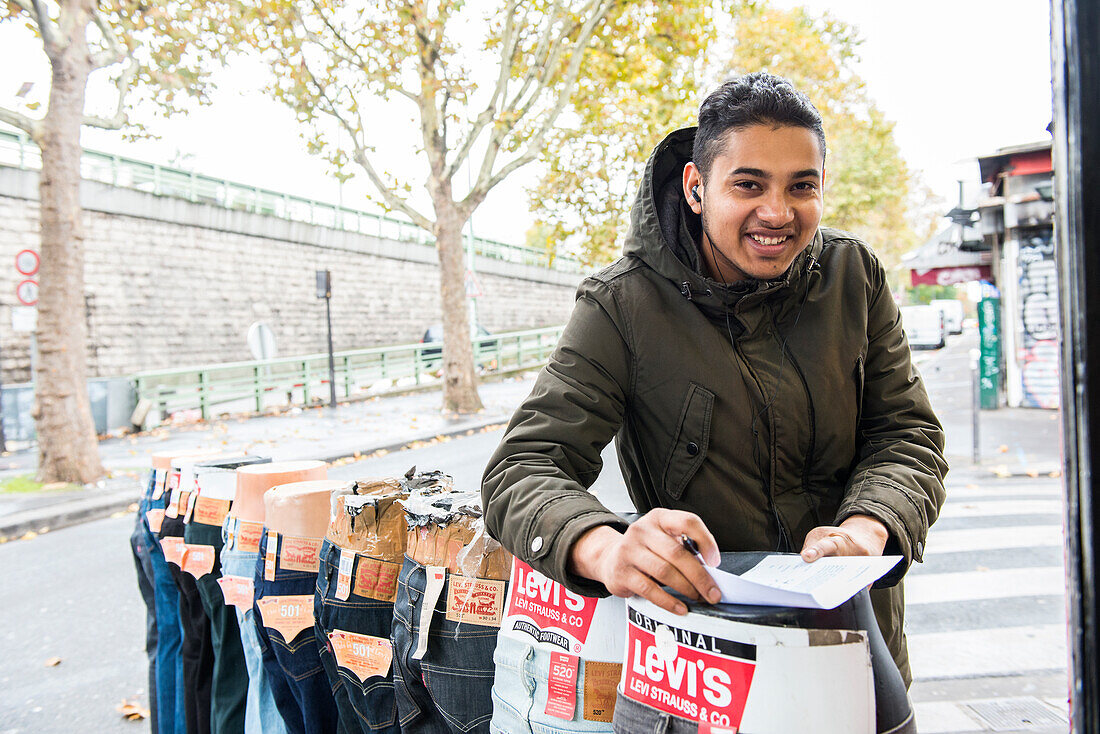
546,610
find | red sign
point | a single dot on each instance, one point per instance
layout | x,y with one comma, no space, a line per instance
547,611
27,292
951,276
685,673
26,262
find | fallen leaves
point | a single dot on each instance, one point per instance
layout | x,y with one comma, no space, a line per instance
132,711
53,662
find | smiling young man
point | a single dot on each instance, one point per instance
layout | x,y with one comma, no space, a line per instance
752,368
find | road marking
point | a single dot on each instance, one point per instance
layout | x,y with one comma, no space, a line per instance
985,508
973,539
995,493
937,588
1002,651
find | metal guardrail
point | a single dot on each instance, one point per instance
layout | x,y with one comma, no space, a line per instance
17,150
257,385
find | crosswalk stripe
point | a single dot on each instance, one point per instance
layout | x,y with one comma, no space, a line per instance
937,588
983,508
961,493
972,539
971,653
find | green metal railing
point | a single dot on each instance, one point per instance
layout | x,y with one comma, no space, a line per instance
257,385
19,151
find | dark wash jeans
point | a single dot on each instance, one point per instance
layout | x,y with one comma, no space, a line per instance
141,543
632,717
197,652
449,691
299,685
229,681
171,701
367,707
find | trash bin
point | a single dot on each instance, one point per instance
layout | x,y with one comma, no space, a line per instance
765,670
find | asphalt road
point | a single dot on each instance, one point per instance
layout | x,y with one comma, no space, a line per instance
990,584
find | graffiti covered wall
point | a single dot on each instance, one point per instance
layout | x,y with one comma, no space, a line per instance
1037,333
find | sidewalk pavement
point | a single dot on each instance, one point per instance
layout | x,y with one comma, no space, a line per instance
1015,442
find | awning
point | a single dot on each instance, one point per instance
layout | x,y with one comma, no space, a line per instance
951,275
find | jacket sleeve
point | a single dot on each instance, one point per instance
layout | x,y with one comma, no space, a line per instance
898,477
535,488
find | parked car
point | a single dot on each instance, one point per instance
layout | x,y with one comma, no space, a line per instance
924,326
952,314
434,335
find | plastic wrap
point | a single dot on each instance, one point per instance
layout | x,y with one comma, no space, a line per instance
448,530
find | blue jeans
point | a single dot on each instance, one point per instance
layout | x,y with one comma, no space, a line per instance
143,565
171,711
369,706
632,717
260,714
449,690
301,689
520,693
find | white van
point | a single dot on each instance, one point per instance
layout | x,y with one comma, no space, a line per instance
924,326
952,314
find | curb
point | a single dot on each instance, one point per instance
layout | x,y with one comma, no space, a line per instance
73,512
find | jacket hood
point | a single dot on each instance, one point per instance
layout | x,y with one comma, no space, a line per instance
665,234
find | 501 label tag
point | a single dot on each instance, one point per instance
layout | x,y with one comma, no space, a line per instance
289,615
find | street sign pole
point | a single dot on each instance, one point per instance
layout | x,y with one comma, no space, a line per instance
324,290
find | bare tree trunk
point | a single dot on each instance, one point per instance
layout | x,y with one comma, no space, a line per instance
67,448
459,378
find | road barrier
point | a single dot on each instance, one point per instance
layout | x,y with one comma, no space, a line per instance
241,387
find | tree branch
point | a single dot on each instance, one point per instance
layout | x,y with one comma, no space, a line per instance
115,53
118,119
28,125
50,41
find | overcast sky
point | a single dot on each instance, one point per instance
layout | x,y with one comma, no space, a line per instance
960,78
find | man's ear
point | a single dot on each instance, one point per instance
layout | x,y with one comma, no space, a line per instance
693,187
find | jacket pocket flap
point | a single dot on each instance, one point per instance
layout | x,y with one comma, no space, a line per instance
692,438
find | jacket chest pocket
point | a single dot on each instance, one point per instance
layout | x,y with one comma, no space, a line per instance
689,447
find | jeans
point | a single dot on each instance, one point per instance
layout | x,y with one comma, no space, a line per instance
260,715
171,713
229,681
632,717
301,689
141,547
448,690
364,706
196,652
521,688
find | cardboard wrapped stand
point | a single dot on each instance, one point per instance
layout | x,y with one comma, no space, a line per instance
764,670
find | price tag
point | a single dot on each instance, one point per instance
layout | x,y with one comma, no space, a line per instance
182,506
269,556
198,560
600,681
561,694
210,511
362,655
343,577
300,554
155,518
172,547
375,579
237,590
160,479
475,601
435,576
248,536
288,615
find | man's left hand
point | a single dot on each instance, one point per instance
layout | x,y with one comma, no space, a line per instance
859,535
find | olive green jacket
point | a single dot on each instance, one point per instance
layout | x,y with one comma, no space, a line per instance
767,408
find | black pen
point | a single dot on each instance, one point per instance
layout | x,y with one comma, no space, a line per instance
691,547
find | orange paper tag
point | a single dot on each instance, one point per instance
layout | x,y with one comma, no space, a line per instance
159,483
300,554
269,556
198,560
248,536
181,507
364,656
343,577
287,614
155,519
376,579
172,546
210,511
237,590
475,601
600,682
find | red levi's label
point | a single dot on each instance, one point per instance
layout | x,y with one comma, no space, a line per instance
688,674
561,694
546,611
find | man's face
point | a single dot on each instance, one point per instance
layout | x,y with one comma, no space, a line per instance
761,204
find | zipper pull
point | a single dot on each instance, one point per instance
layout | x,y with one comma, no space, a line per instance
685,290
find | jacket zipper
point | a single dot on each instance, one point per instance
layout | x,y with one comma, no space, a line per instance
813,432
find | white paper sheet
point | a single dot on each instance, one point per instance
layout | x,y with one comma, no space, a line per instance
788,581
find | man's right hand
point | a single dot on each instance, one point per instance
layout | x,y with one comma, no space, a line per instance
649,555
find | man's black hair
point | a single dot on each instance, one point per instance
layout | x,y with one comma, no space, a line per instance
758,98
